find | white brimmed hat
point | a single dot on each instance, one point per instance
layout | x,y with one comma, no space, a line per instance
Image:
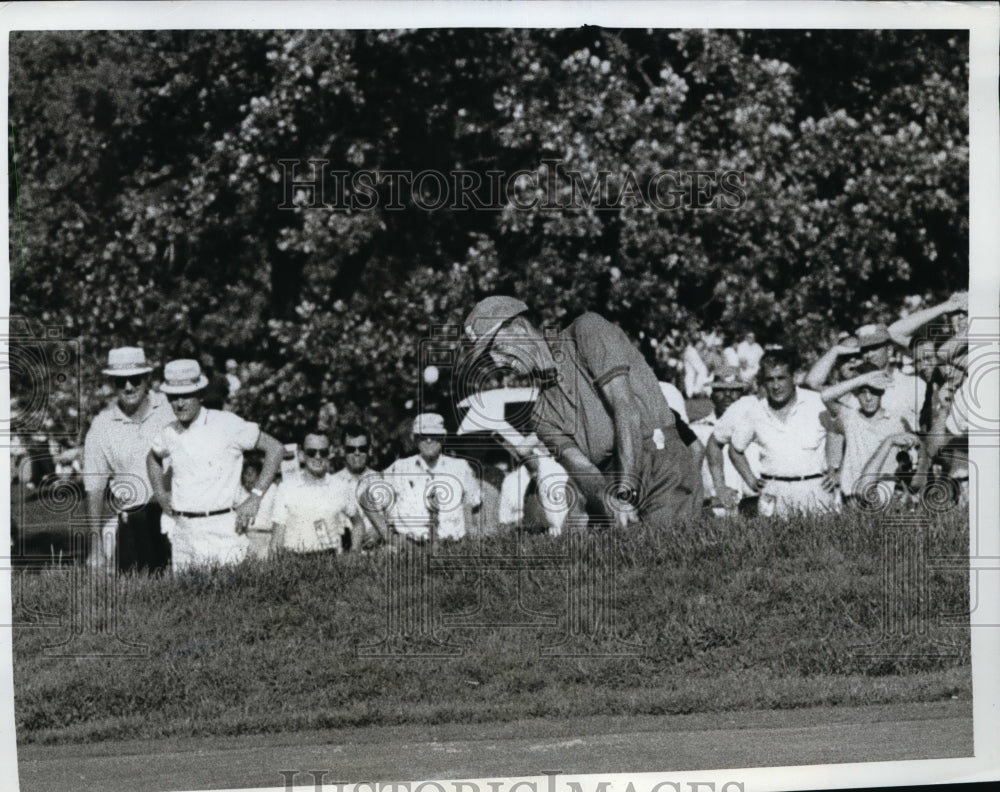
127,362
429,424
183,376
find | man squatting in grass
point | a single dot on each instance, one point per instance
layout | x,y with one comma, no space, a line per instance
788,425
600,411
115,448
205,448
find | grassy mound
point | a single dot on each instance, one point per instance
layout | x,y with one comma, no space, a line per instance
720,616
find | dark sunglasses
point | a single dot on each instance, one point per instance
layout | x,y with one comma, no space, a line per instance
430,438
135,381
316,452
356,449
172,397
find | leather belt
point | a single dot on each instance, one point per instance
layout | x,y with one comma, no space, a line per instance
215,513
791,478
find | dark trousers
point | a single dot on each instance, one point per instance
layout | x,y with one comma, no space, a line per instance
671,482
140,546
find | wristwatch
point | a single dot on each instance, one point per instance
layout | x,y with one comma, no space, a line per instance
257,492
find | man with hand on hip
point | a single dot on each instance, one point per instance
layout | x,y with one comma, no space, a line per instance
205,448
790,426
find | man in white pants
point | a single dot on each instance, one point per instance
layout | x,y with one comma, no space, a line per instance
787,423
205,448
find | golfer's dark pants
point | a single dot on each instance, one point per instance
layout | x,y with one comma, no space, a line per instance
140,546
671,482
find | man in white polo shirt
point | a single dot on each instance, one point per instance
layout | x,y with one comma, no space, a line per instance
432,490
115,451
205,448
314,511
789,425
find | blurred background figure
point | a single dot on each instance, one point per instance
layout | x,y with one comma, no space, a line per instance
216,392
232,376
748,355
696,375
727,389
261,528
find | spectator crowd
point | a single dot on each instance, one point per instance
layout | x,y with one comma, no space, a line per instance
174,478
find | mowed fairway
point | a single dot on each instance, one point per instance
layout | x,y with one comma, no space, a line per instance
821,735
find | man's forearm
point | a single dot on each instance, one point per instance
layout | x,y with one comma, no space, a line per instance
902,330
273,453
820,371
95,506
716,463
95,503
742,465
154,467
588,479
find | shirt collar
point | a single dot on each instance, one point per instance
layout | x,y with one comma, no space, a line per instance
795,401
422,465
139,416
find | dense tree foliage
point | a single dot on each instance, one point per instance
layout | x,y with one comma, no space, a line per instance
153,201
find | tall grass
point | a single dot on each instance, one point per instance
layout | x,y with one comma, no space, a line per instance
722,615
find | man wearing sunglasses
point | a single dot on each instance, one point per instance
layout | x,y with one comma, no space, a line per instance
115,451
432,491
314,512
205,448
355,473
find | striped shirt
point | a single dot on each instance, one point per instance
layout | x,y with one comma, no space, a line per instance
116,447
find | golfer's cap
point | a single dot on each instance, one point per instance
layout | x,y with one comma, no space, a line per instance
487,317
873,335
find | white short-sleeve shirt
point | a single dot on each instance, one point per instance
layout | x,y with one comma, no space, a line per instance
452,484
206,459
315,512
790,446
862,437
704,429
